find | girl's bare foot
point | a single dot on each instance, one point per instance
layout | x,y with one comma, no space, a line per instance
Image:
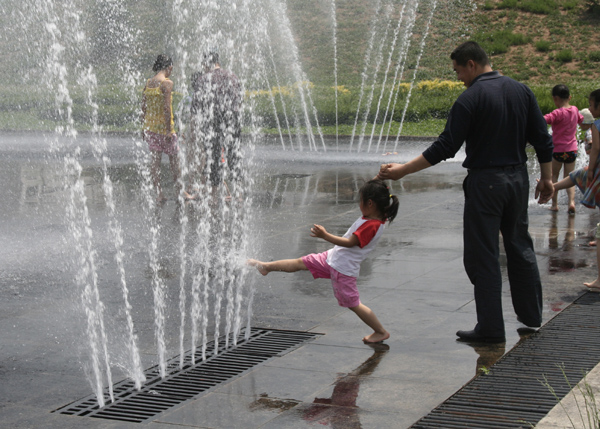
260,266
595,285
572,209
376,337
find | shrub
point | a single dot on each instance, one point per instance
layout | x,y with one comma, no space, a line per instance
564,56
508,4
594,56
542,46
545,7
593,7
498,42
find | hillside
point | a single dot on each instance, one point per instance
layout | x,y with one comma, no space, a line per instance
537,41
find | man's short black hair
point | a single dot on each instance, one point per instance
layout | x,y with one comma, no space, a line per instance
210,58
470,51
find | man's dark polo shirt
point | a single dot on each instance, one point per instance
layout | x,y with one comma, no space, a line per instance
496,116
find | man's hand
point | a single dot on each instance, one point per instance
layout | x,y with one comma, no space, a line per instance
391,172
318,231
544,190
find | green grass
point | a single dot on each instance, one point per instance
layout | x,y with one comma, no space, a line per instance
425,128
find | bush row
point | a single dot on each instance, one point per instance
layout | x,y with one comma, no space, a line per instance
23,109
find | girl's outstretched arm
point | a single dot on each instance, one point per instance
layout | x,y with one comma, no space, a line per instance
319,231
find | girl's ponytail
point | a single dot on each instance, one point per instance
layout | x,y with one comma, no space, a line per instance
391,211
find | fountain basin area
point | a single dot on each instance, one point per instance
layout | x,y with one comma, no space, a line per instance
414,281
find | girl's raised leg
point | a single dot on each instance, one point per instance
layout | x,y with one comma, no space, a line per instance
285,265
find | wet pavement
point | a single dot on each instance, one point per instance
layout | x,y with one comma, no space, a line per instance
414,281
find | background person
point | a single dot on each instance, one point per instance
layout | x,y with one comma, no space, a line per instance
496,116
586,129
216,125
564,120
158,124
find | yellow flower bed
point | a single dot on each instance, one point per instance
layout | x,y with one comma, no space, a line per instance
438,85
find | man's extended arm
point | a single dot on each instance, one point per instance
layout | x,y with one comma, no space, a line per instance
398,171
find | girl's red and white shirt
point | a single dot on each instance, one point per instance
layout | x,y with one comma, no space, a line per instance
347,260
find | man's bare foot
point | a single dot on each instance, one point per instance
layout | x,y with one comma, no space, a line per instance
572,209
376,337
553,209
260,266
592,243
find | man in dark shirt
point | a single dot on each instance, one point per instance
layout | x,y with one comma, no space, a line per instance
216,123
496,117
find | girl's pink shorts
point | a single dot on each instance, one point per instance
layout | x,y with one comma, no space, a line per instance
161,143
344,287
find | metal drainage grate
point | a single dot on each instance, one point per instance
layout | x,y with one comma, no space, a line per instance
180,385
512,394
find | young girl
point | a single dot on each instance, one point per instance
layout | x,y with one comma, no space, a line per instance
342,263
564,122
589,184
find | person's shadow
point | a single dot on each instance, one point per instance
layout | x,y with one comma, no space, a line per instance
340,410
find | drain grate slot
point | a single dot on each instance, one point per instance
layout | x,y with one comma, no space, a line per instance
180,385
512,395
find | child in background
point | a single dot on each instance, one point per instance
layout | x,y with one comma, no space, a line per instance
342,263
587,179
564,122
586,129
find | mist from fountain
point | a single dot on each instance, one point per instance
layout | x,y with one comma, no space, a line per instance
421,47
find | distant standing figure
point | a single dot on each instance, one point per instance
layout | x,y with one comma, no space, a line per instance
564,122
216,124
496,117
342,263
158,124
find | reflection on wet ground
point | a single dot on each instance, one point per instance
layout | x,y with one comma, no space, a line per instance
563,262
340,409
414,280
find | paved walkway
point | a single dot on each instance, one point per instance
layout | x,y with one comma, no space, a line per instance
414,281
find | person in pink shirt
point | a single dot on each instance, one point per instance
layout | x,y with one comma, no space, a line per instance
564,122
